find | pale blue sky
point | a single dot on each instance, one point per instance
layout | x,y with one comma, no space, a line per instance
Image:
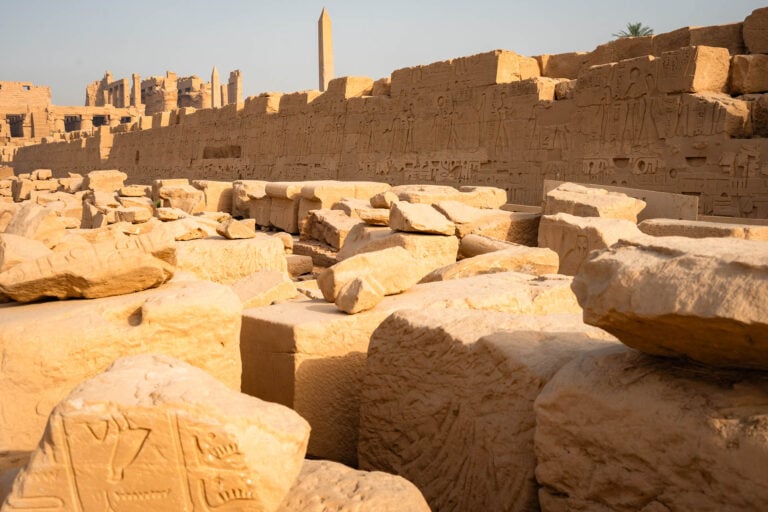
67,44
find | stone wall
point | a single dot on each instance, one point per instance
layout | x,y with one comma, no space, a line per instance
637,116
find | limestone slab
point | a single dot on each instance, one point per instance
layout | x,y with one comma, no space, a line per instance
106,180
419,218
581,201
702,229
15,249
447,401
619,430
703,299
232,229
68,341
328,226
37,222
264,287
171,436
528,260
184,197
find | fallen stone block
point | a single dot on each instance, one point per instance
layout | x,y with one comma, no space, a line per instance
90,271
196,321
298,264
108,180
419,218
174,436
322,255
166,213
15,249
475,245
132,214
528,260
264,287
672,296
226,261
136,191
284,205
581,201
21,189
42,174
243,193
328,226
310,356
37,222
702,229
619,430
383,199
7,211
217,195
360,294
573,238
374,216
323,485
183,197
447,401
232,229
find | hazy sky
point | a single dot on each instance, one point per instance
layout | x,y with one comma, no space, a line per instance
67,44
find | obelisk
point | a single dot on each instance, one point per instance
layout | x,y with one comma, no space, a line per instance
215,89
325,49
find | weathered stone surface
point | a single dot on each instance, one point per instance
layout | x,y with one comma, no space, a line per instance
21,189
360,294
694,69
324,485
672,296
264,287
108,181
226,261
475,245
419,218
383,199
232,229
464,433
374,216
184,197
351,206
755,31
298,264
166,213
573,238
15,249
132,214
217,195
283,206
528,260
701,229
136,191
196,321
667,435
322,254
243,193
328,226
394,269
7,211
37,222
173,436
90,271
581,201
722,36
310,356
749,74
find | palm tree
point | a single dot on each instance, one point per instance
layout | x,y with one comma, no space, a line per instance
634,30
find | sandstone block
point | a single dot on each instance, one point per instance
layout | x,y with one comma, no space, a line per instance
284,205
430,251
394,269
328,226
197,321
88,271
165,213
447,401
360,294
755,31
322,254
72,183
217,195
374,216
183,197
702,229
483,197
15,249
226,261
324,485
243,193
517,227
45,184
7,211
723,36
528,260
133,214
136,191
21,189
694,69
264,287
37,222
232,229
700,299
299,264
42,174
108,181
667,435
310,356
581,201
383,199
419,218
351,206
174,436
749,74
475,245
573,238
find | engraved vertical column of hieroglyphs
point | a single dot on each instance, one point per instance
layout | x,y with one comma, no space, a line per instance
325,49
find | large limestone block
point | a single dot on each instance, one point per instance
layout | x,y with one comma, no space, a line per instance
573,238
475,245
21,189
264,287
328,226
232,229
694,69
702,229
310,356
749,74
183,197
755,31
155,433
68,341
419,218
217,195
91,271
37,222
425,194
394,268
285,197
500,224
108,181
133,214
15,249
243,192
323,486
619,430
582,201
225,261
447,401
317,195
702,299
528,260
